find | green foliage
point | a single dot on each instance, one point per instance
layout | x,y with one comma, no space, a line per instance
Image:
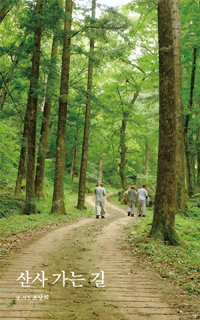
13,222
180,264
92,171
193,207
9,152
10,207
149,180
49,169
10,304
125,59
192,210
117,65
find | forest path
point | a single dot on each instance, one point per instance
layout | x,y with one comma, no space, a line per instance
131,290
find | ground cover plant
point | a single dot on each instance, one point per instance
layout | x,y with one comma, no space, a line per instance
180,264
13,222
16,229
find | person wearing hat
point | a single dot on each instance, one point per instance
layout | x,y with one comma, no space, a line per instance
131,200
100,203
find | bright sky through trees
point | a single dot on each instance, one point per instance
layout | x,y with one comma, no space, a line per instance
113,3
110,3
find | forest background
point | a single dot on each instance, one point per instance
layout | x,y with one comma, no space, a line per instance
111,101
125,48
124,112
123,137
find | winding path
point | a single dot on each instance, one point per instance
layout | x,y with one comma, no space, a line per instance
56,276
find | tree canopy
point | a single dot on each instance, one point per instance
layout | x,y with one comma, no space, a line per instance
124,96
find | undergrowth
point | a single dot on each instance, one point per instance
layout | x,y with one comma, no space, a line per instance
12,221
180,264
115,199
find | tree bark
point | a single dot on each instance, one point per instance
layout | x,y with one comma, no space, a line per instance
58,205
100,169
82,180
74,156
170,178
30,206
123,148
188,135
72,171
39,180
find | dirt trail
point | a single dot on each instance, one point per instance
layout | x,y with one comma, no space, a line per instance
59,272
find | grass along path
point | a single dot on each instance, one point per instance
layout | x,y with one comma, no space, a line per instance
17,230
180,264
88,247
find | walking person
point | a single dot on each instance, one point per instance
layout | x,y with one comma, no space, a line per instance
131,200
142,195
100,203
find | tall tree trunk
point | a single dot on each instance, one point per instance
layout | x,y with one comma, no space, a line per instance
58,205
188,135
30,206
170,188
123,148
82,180
72,171
74,156
100,169
189,164
39,180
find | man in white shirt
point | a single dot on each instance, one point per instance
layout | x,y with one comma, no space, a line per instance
99,205
142,195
